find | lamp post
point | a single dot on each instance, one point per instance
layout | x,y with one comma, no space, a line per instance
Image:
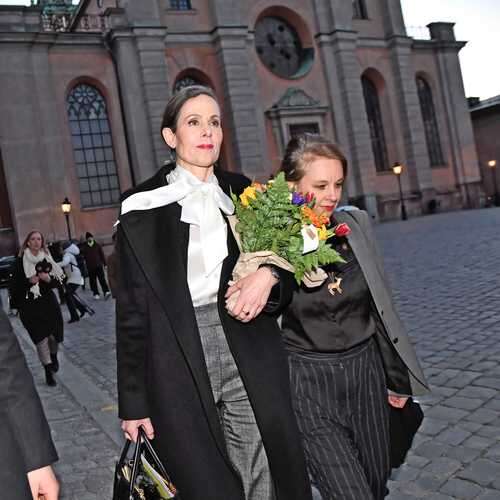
66,208
397,168
493,166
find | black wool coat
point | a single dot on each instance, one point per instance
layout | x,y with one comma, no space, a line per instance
41,316
161,367
24,432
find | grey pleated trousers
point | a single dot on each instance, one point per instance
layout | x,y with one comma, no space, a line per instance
341,406
243,439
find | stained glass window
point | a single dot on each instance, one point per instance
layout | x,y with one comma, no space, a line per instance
430,123
377,135
92,147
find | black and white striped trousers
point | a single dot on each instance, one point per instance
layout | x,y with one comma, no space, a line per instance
340,400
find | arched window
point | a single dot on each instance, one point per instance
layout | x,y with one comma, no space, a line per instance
92,147
180,4
185,81
377,136
430,123
359,9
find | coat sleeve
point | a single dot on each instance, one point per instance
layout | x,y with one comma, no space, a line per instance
132,332
20,404
281,293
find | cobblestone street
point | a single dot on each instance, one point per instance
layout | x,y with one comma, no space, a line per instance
445,271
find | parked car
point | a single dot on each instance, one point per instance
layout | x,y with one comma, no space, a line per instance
6,264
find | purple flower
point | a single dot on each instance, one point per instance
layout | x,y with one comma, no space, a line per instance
297,198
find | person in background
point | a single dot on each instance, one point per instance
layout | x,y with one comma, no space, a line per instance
74,280
95,261
35,275
349,354
27,450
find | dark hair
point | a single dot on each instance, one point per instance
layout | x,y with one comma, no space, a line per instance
175,103
304,148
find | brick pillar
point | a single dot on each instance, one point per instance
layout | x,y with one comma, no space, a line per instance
142,69
410,119
337,50
411,124
461,134
245,119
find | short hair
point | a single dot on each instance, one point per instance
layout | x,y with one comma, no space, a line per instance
175,103
304,148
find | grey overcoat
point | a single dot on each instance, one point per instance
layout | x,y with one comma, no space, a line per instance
403,371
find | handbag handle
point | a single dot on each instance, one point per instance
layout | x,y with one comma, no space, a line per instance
147,444
135,463
142,442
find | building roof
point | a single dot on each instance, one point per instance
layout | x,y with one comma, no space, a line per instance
476,105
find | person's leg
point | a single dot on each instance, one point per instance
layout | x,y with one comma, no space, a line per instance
93,282
53,348
324,398
43,351
70,302
371,424
102,281
243,440
77,302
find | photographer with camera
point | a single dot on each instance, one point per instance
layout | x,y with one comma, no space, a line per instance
35,275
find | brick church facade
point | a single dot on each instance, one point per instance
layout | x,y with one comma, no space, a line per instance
82,91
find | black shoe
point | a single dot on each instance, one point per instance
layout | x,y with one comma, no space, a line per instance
82,314
49,376
73,320
55,363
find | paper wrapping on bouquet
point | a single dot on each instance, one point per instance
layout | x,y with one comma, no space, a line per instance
249,262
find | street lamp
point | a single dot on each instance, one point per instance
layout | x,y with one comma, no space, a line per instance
397,168
66,208
493,165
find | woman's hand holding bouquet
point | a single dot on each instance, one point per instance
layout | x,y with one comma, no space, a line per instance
276,225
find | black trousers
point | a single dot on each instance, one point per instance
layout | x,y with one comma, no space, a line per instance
98,274
341,406
73,304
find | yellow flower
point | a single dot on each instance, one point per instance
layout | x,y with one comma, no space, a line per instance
323,233
248,193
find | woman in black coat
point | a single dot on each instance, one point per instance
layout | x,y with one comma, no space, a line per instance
35,275
351,361
210,385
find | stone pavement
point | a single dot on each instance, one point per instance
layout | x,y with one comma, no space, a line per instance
445,271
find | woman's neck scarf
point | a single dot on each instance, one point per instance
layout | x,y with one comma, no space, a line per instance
201,204
29,263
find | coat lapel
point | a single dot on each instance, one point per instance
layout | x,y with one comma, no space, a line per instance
357,240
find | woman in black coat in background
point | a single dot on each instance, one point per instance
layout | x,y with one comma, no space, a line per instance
210,384
35,276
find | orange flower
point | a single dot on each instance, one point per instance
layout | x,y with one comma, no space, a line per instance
258,186
311,215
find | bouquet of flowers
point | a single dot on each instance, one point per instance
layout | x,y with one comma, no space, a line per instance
275,225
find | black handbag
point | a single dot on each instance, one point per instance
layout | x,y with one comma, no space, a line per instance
403,424
142,477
